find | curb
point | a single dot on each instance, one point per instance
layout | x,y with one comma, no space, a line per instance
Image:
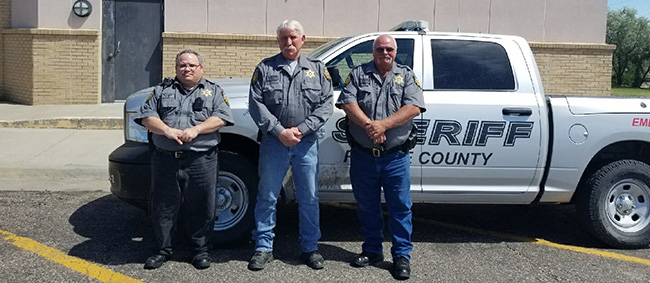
68,123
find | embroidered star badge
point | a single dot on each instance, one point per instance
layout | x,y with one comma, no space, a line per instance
207,92
399,80
310,74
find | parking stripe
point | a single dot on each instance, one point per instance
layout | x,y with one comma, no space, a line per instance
74,263
527,239
538,242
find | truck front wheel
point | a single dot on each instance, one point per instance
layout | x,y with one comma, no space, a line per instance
615,203
235,204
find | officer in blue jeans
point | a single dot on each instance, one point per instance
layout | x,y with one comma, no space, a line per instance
290,99
380,99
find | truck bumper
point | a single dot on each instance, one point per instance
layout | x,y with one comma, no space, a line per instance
129,171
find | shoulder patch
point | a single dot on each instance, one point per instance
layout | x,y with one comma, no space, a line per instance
347,80
326,73
256,75
223,94
149,97
415,78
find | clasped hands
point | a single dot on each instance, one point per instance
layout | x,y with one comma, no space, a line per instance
376,131
181,136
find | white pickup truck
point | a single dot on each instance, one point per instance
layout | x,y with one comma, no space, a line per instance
489,136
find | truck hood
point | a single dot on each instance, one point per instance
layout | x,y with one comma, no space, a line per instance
580,105
235,88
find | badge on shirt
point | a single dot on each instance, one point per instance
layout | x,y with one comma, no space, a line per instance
310,74
399,80
207,92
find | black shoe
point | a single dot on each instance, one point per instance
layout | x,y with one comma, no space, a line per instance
155,261
313,259
401,268
366,258
259,260
201,261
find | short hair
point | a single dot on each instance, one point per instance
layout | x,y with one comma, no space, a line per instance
190,51
291,25
374,42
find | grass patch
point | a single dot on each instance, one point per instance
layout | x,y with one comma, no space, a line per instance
629,91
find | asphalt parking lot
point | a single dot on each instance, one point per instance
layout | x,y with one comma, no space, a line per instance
93,236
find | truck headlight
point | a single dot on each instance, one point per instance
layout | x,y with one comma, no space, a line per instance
135,132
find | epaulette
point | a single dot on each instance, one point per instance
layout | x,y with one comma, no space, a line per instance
404,66
312,59
211,81
167,82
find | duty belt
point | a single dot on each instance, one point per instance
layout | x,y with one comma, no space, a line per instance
181,153
378,152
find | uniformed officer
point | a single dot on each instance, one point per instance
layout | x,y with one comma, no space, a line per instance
184,116
290,99
380,99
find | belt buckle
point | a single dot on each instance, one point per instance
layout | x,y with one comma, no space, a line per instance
376,152
178,154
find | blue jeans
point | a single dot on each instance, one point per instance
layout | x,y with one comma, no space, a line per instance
273,165
368,174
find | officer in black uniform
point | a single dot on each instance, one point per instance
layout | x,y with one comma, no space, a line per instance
184,116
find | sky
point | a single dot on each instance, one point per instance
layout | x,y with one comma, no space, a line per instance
642,6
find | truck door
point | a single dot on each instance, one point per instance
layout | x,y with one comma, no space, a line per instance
481,134
334,152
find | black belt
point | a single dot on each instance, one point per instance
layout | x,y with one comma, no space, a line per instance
377,152
182,153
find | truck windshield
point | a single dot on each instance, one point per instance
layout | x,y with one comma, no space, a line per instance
323,48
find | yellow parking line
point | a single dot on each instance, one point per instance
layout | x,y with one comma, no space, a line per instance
538,242
74,263
530,240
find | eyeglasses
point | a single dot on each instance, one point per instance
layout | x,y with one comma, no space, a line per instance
387,49
190,67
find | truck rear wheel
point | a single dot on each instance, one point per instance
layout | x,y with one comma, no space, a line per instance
615,203
236,195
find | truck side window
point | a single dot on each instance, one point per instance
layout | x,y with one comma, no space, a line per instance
362,53
462,64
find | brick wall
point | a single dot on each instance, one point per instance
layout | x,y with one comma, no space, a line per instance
575,69
571,69
52,66
5,23
226,55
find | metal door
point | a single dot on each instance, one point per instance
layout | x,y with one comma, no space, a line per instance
132,46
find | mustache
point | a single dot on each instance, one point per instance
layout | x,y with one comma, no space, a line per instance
290,48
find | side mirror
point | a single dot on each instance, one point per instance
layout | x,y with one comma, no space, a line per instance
336,77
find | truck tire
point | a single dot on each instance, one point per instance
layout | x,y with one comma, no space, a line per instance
615,203
236,196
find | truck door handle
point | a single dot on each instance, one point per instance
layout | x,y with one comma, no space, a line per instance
514,111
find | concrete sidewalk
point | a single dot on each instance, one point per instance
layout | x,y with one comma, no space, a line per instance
58,147
105,116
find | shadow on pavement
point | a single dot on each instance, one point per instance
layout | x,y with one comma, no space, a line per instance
117,232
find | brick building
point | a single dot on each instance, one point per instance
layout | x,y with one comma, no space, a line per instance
50,55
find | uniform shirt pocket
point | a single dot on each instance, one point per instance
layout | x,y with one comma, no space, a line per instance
366,99
200,116
272,92
311,90
168,107
394,100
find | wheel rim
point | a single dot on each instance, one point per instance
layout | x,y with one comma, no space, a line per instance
627,205
231,201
